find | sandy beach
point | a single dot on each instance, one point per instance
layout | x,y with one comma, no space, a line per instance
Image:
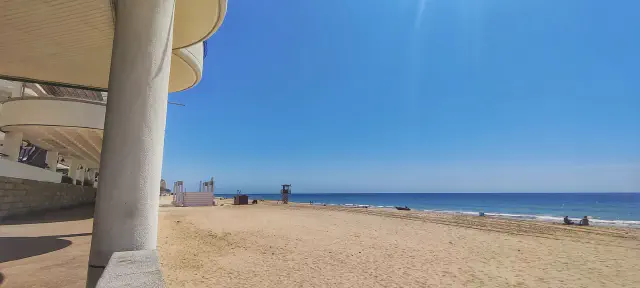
298,245
269,245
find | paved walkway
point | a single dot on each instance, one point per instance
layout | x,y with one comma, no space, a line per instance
47,250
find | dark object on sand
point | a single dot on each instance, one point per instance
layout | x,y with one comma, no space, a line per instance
567,221
240,199
405,208
584,221
481,214
254,201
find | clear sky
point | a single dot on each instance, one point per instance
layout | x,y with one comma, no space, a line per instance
414,96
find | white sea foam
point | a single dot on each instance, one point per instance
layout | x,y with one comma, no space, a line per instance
595,222
356,206
548,218
544,218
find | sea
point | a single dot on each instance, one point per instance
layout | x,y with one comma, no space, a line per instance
606,209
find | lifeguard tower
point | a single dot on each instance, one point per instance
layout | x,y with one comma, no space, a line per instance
286,190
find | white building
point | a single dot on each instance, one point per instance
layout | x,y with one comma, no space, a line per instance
67,122
60,58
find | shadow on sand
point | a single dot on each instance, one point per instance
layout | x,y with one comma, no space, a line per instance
62,215
16,248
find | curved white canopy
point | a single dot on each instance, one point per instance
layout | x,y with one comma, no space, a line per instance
73,127
68,42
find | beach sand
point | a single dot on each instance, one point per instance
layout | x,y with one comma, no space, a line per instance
269,245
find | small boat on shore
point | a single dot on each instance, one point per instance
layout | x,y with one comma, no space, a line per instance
405,208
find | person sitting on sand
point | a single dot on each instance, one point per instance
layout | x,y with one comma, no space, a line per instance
584,221
567,221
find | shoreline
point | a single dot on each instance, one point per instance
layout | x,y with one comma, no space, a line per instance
556,220
633,224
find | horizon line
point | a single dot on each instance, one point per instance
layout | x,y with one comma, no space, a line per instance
276,193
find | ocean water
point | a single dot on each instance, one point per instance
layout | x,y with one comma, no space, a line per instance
612,209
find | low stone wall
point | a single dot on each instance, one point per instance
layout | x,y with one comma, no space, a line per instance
23,196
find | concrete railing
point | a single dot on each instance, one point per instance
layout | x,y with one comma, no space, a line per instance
52,111
132,269
19,170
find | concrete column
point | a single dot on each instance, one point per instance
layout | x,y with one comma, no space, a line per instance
91,175
68,162
12,143
82,174
52,160
16,91
95,181
73,170
126,210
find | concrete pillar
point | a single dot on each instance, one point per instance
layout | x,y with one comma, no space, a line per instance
95,174
12,144
82,174
52,160
68,162
126,210
91,175
17,90
73,170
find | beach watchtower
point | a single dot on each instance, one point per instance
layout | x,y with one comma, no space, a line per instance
286,190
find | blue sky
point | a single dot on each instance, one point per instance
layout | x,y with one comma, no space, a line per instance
414,96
